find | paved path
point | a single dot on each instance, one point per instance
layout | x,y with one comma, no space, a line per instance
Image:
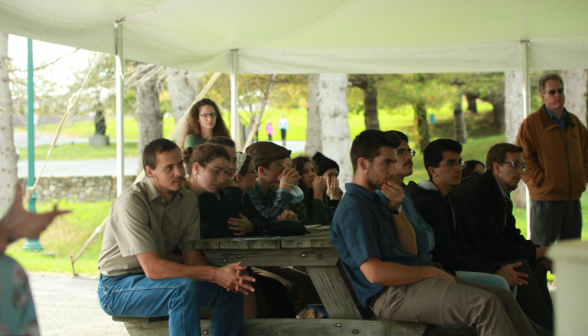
103,167
69,307
78,168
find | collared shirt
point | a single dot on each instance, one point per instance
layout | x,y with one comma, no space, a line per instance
561,121
363,228
272,203
140,221
425,238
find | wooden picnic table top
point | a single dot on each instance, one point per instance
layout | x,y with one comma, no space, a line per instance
317,238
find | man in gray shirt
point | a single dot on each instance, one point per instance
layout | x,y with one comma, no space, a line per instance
145,223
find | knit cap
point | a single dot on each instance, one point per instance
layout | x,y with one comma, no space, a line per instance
323,163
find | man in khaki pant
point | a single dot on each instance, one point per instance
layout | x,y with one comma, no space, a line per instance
379,253
555,144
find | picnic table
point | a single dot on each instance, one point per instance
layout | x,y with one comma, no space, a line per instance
317,254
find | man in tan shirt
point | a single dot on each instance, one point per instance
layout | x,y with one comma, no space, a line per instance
145,223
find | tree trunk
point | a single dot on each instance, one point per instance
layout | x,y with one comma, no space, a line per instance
575,82
334,114
513,117
370,98
149,118
497,101
8,171
370,103
183,87
459,124
313,119
471,98
257,121
422,125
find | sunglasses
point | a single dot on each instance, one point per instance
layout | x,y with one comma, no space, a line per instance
552,92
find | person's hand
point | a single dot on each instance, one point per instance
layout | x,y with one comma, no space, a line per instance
228,182
230,278
288,178
287,215
19,223
242,225
439,273
333,190
318,186
394,193
513,277
547,264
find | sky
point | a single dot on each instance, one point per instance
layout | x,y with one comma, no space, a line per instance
43,53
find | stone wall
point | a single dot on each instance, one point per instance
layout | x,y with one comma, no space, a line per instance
77,188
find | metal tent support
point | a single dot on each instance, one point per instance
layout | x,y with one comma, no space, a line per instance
235,99
120,117
526,111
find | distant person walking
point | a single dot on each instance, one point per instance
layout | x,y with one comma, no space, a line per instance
555,146
283,126
269,129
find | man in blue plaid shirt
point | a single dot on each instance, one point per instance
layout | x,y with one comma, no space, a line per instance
271,203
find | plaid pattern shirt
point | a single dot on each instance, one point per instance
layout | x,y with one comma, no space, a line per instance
274,202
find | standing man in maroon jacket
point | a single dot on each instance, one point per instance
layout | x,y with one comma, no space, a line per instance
555,146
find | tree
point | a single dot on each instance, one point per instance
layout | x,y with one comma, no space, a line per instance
7,150
334,115
314,141
513,117
575,82
471,97
257,118
183,87
148,115
369,85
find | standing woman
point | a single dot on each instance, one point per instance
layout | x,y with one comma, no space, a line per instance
314,187
269,129
205,121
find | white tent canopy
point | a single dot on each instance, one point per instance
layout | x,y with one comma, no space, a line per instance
318,36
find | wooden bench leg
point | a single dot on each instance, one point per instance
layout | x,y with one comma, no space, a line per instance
333,292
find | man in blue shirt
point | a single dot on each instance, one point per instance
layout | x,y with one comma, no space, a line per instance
379,253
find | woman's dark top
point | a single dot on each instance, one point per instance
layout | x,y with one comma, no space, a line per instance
215,214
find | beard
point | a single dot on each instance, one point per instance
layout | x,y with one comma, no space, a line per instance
373,180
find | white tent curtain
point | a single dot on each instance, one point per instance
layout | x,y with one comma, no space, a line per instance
319,36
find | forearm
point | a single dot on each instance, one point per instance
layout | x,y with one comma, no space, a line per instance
164,269
392,274
405,233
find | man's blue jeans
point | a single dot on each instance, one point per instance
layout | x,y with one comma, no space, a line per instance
487,279
135,295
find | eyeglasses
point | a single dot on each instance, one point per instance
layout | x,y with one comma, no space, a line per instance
516,164
209,115
452,165
405,152
552,92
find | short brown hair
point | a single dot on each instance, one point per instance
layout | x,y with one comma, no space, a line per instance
545,78
155,147
203,154
497,153
223,141
367,145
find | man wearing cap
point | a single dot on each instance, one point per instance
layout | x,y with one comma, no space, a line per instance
268,200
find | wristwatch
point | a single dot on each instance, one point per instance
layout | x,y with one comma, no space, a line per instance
398,211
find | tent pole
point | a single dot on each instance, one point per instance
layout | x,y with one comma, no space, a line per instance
234,99
120,135
526,111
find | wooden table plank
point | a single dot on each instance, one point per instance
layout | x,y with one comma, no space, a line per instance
274,257
333,292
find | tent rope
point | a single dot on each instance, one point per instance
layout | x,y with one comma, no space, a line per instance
70,105
140,177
